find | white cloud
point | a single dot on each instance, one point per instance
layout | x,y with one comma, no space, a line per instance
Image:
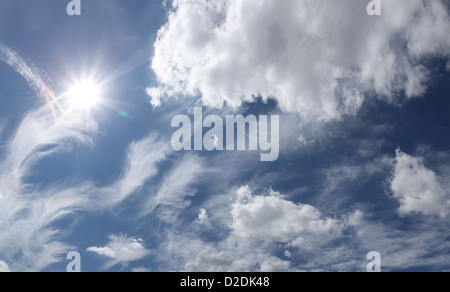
185,249
274,264
29,239
230,255
122,249
140,270
250,230
223,257
202,217
175,187
423,244
355,219
27,70
417,188
39,136
141,164
274,218
250,235
28,214
4,267
342,183
318,58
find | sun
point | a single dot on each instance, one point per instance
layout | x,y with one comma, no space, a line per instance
84,95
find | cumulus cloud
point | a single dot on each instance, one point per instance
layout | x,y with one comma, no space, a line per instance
202,217
274,218
122,249
230,255
250,231
4,267
227,256
274,264
417,188
318,58
291,243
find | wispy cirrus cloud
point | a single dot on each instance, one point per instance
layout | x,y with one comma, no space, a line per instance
175,187
28,213
141,164
37,80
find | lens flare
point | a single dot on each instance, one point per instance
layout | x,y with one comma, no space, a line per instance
84,95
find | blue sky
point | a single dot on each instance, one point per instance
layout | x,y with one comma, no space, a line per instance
364,127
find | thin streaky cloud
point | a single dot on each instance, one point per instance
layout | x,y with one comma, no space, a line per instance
42,86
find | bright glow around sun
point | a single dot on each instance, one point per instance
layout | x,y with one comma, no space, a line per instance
84,95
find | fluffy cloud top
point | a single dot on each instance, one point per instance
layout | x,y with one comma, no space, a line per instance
274,218
122,249
4,267
318,58
202,217
252,231
417,188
